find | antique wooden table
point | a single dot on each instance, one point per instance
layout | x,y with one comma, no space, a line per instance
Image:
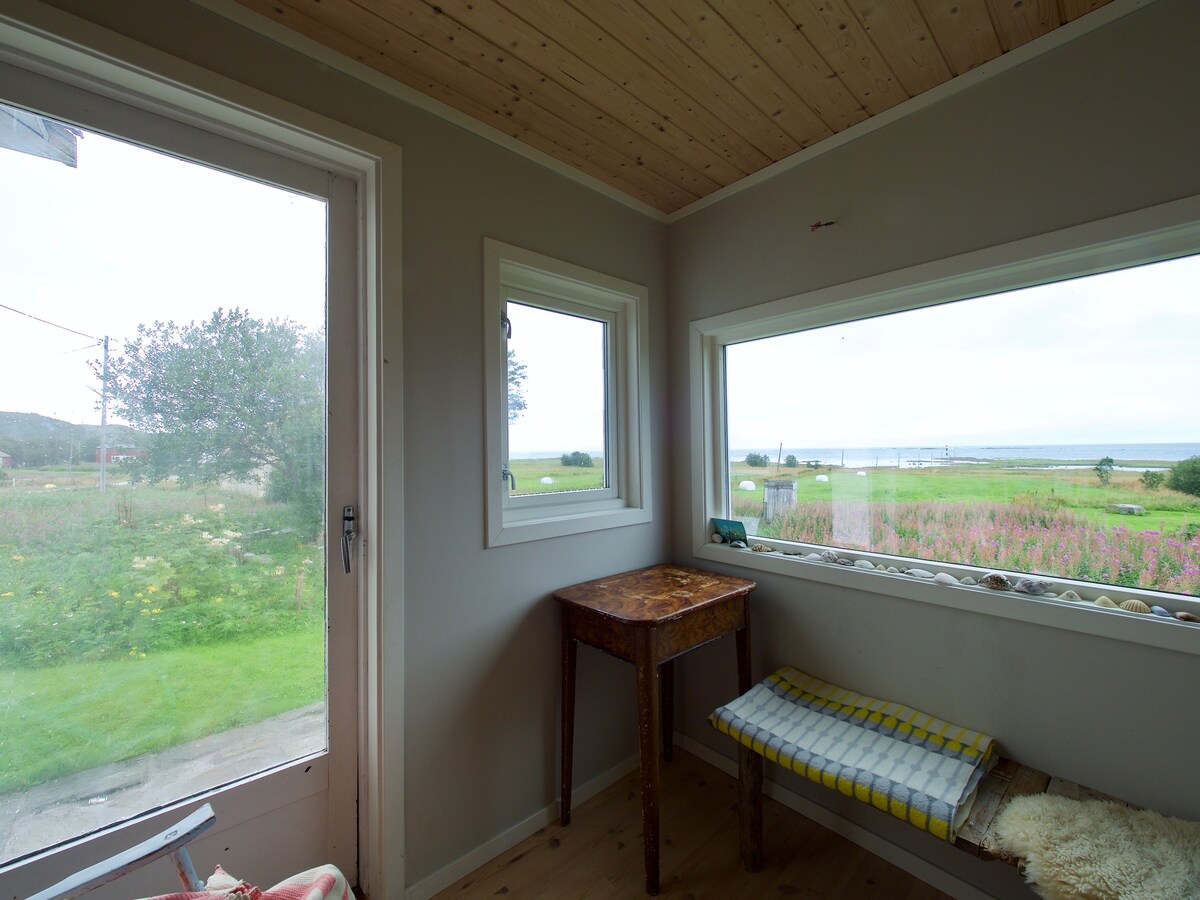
648,617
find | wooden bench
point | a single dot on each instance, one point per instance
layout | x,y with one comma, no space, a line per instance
1007,779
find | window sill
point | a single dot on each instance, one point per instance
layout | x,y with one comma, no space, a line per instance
549,526
1085,618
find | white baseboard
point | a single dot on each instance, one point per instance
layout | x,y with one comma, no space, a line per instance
911,863
486,852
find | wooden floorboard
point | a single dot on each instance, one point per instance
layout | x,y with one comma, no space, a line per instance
599,855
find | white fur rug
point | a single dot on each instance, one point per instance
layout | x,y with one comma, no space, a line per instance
1099,850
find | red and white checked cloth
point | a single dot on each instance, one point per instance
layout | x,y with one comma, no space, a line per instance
321,883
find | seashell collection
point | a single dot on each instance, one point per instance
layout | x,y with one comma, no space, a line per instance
996,581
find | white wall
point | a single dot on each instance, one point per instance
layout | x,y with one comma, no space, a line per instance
1102,126
479,687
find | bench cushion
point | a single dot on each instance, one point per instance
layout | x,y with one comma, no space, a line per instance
919,768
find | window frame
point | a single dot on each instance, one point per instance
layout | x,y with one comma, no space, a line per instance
533,279
1154,234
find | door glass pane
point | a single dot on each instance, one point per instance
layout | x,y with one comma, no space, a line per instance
162,479
556,401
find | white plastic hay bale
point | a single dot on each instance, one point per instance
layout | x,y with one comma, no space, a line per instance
822,478
546,479
863,474
746,486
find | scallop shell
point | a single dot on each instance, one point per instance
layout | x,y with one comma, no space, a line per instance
1104,601
1069,595
996,582
1134,605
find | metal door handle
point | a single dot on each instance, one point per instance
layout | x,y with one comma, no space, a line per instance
348,535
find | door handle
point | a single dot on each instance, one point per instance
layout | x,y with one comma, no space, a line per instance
348,535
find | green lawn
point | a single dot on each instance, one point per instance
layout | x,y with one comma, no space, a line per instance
69,718
530,472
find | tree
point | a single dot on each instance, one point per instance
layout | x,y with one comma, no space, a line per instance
229,397
1185,476
1152,481
516,390
790,461
757,459
1103,470
578,458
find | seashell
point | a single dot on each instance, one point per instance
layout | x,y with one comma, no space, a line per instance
829,556
1033,586
918,573
864,564
1104,601
996,582
1070,595
741,544
716,539
969,581
1049,595
842,561
944,578
816,557
1160,611
1185,616
762,548
881,568
893,570
1133,604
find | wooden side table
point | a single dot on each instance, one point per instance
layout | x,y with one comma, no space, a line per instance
648,617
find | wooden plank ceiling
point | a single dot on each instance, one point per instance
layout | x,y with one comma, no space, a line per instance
671,100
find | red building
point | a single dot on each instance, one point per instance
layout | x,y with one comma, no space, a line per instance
6,460
117,454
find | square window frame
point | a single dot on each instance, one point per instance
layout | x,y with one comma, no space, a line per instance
1141,237
539,280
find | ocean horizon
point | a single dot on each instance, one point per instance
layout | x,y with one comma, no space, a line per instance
951,454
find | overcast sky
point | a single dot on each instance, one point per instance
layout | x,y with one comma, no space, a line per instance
1110,358
132,236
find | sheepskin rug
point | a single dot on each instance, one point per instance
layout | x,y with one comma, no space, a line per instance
1098,850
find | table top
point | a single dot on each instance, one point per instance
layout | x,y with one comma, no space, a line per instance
653,594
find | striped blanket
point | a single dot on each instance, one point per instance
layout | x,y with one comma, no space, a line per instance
919,768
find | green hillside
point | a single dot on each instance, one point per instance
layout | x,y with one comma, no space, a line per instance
36,440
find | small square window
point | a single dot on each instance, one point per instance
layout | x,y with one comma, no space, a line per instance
568,439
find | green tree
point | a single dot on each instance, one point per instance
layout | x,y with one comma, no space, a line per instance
1185,476
516,386
1103,470
757,459
1152,481
229,397
578,458
790,461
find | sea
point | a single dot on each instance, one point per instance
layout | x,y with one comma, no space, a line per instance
1130,457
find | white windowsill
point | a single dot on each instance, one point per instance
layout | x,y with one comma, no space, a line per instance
1117,624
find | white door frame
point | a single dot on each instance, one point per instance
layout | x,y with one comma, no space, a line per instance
59,46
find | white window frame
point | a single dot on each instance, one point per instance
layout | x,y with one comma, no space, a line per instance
1149,235
533,279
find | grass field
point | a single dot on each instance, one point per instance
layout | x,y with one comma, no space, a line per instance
1051,521
146,616
530,472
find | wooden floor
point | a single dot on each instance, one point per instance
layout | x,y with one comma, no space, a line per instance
599,855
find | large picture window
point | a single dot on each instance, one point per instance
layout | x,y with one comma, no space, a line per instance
568,438
1049,433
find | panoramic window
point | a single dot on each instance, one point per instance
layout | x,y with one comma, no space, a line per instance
163,345
567,437
1052,430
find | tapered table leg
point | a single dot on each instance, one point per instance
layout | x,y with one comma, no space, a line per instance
569,652
648,688
667,674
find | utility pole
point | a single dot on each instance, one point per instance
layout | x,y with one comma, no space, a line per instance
104,421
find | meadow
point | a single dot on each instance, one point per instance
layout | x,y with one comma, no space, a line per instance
124,615
1044,520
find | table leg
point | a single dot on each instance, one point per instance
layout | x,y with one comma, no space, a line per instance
742,636
667,676
648,688
750,808
570,649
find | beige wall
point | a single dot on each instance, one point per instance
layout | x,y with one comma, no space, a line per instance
1099,127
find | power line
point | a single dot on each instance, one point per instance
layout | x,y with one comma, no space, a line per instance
51,324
